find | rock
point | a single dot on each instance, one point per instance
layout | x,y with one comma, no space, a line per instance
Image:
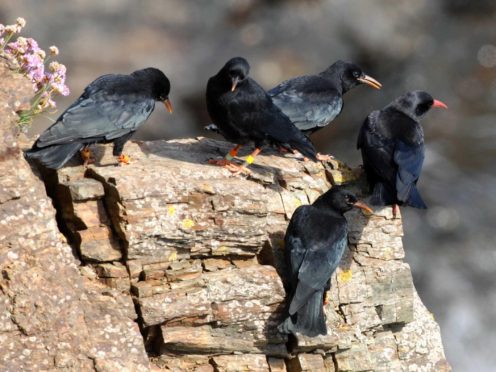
306,363
238,363
192,257
51,317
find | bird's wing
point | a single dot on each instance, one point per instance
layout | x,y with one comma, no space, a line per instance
100,113
314,252
308,101
257,116
409,159
377,151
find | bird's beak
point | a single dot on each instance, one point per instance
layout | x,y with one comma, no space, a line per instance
439,104
370,81
168,105
365,207
234,83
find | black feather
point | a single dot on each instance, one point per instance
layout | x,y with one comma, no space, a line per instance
248,114
315,240
313,101
392,144
110,109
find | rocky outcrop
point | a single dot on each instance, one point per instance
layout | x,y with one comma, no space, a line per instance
199,253
51,317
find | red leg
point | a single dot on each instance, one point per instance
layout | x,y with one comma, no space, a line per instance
396,210
326,298
249,160
227,160
124,159
87,156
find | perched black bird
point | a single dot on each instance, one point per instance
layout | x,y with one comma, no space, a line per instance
313,101
314,243
110,110
392,145
243,112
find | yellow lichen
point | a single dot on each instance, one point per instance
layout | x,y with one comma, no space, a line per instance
345,276
172,256
171,211
187,223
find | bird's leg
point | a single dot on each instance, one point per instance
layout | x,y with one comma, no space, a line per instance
227,160
249,160
396,210
326,298
124,159
87,156
322,157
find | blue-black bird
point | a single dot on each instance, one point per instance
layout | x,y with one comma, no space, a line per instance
110,109
243,113
315,240
313,101
392,145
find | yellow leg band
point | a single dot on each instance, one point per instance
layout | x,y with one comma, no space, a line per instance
250,159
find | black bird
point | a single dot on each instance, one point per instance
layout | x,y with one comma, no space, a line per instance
313,101
243,112
110,109
392,145
314,244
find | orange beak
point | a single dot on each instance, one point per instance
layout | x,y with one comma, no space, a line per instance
439,104
370,81
365,207
234,83
168,105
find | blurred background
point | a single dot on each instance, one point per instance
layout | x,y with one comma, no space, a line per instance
445,47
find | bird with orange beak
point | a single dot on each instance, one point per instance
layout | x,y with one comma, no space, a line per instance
315,240
392,144
110,109
313,101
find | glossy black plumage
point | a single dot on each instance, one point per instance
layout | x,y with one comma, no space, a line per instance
110,109
313,101
392,144
243,112
314,244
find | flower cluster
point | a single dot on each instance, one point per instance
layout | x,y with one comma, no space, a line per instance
25,56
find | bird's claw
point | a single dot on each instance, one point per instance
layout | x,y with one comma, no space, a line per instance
124,159
230,166
220,162
322,157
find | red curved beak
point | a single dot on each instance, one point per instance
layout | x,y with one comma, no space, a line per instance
168,105
369,80
234,83
440,104
365,207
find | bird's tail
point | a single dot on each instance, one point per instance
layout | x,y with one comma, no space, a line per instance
414,199
382,195
54,156
309,320
303,144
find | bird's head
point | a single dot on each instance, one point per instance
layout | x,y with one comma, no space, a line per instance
158,83
341,200
351,75
236,70
416,103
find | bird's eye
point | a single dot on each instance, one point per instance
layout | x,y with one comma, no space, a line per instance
356,74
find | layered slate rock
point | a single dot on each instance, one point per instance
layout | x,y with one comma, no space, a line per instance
51,316
201,253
